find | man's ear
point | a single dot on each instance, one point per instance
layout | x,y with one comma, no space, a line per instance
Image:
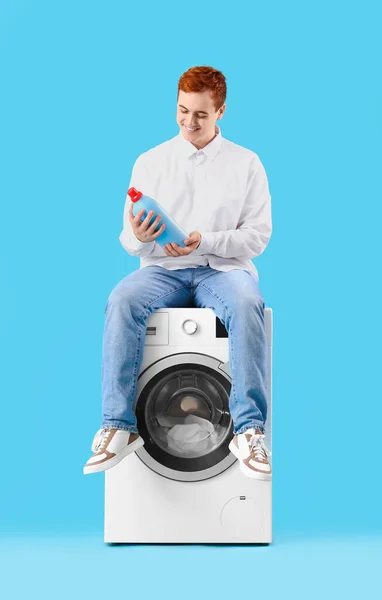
221,112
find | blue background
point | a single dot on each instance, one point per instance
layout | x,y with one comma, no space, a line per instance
87,87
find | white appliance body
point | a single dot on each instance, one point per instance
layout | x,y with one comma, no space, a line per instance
161,494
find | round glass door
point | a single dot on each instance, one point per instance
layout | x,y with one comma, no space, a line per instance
183,417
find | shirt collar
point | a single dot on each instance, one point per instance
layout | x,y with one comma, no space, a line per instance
211,149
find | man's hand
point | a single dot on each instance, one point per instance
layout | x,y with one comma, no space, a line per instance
141,229
192,242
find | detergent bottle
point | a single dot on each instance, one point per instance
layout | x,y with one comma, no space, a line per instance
172,232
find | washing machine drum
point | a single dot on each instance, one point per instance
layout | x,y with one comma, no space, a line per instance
183,417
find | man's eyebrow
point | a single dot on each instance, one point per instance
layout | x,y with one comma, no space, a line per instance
198,111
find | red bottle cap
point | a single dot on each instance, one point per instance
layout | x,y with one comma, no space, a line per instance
134,194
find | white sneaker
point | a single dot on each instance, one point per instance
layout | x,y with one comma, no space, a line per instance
249,448
110,446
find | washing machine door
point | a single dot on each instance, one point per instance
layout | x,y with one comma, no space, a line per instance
183,417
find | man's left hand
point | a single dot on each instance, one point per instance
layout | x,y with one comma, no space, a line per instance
192,242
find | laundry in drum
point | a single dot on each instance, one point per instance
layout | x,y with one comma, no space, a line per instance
193,434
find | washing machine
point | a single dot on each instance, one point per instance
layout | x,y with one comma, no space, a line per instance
184,485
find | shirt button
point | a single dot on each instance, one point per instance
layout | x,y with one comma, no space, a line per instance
199,157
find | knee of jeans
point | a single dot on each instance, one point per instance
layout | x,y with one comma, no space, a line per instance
246,302
123,297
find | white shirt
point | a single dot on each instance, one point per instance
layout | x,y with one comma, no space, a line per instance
220,191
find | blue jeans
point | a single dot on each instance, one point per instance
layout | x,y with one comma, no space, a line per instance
234,297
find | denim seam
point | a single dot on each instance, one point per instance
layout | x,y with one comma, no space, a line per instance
135,378
229,341
207,277
192,285
115,425
253,425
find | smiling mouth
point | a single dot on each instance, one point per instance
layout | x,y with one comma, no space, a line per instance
191,130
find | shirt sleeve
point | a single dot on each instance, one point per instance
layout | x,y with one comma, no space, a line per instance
254,229
130,243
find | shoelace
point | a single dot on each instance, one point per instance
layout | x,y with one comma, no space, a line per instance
256,443
100,439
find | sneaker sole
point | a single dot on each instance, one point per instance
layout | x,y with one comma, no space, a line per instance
246,470
130,448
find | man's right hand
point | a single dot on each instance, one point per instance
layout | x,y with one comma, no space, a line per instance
141,229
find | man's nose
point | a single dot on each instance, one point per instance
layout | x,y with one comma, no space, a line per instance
191,122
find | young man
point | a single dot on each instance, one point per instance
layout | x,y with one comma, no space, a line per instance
218,191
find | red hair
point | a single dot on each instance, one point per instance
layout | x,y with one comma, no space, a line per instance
199,79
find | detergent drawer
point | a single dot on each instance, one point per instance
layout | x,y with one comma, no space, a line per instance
157,329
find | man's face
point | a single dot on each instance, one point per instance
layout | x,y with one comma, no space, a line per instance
196,117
